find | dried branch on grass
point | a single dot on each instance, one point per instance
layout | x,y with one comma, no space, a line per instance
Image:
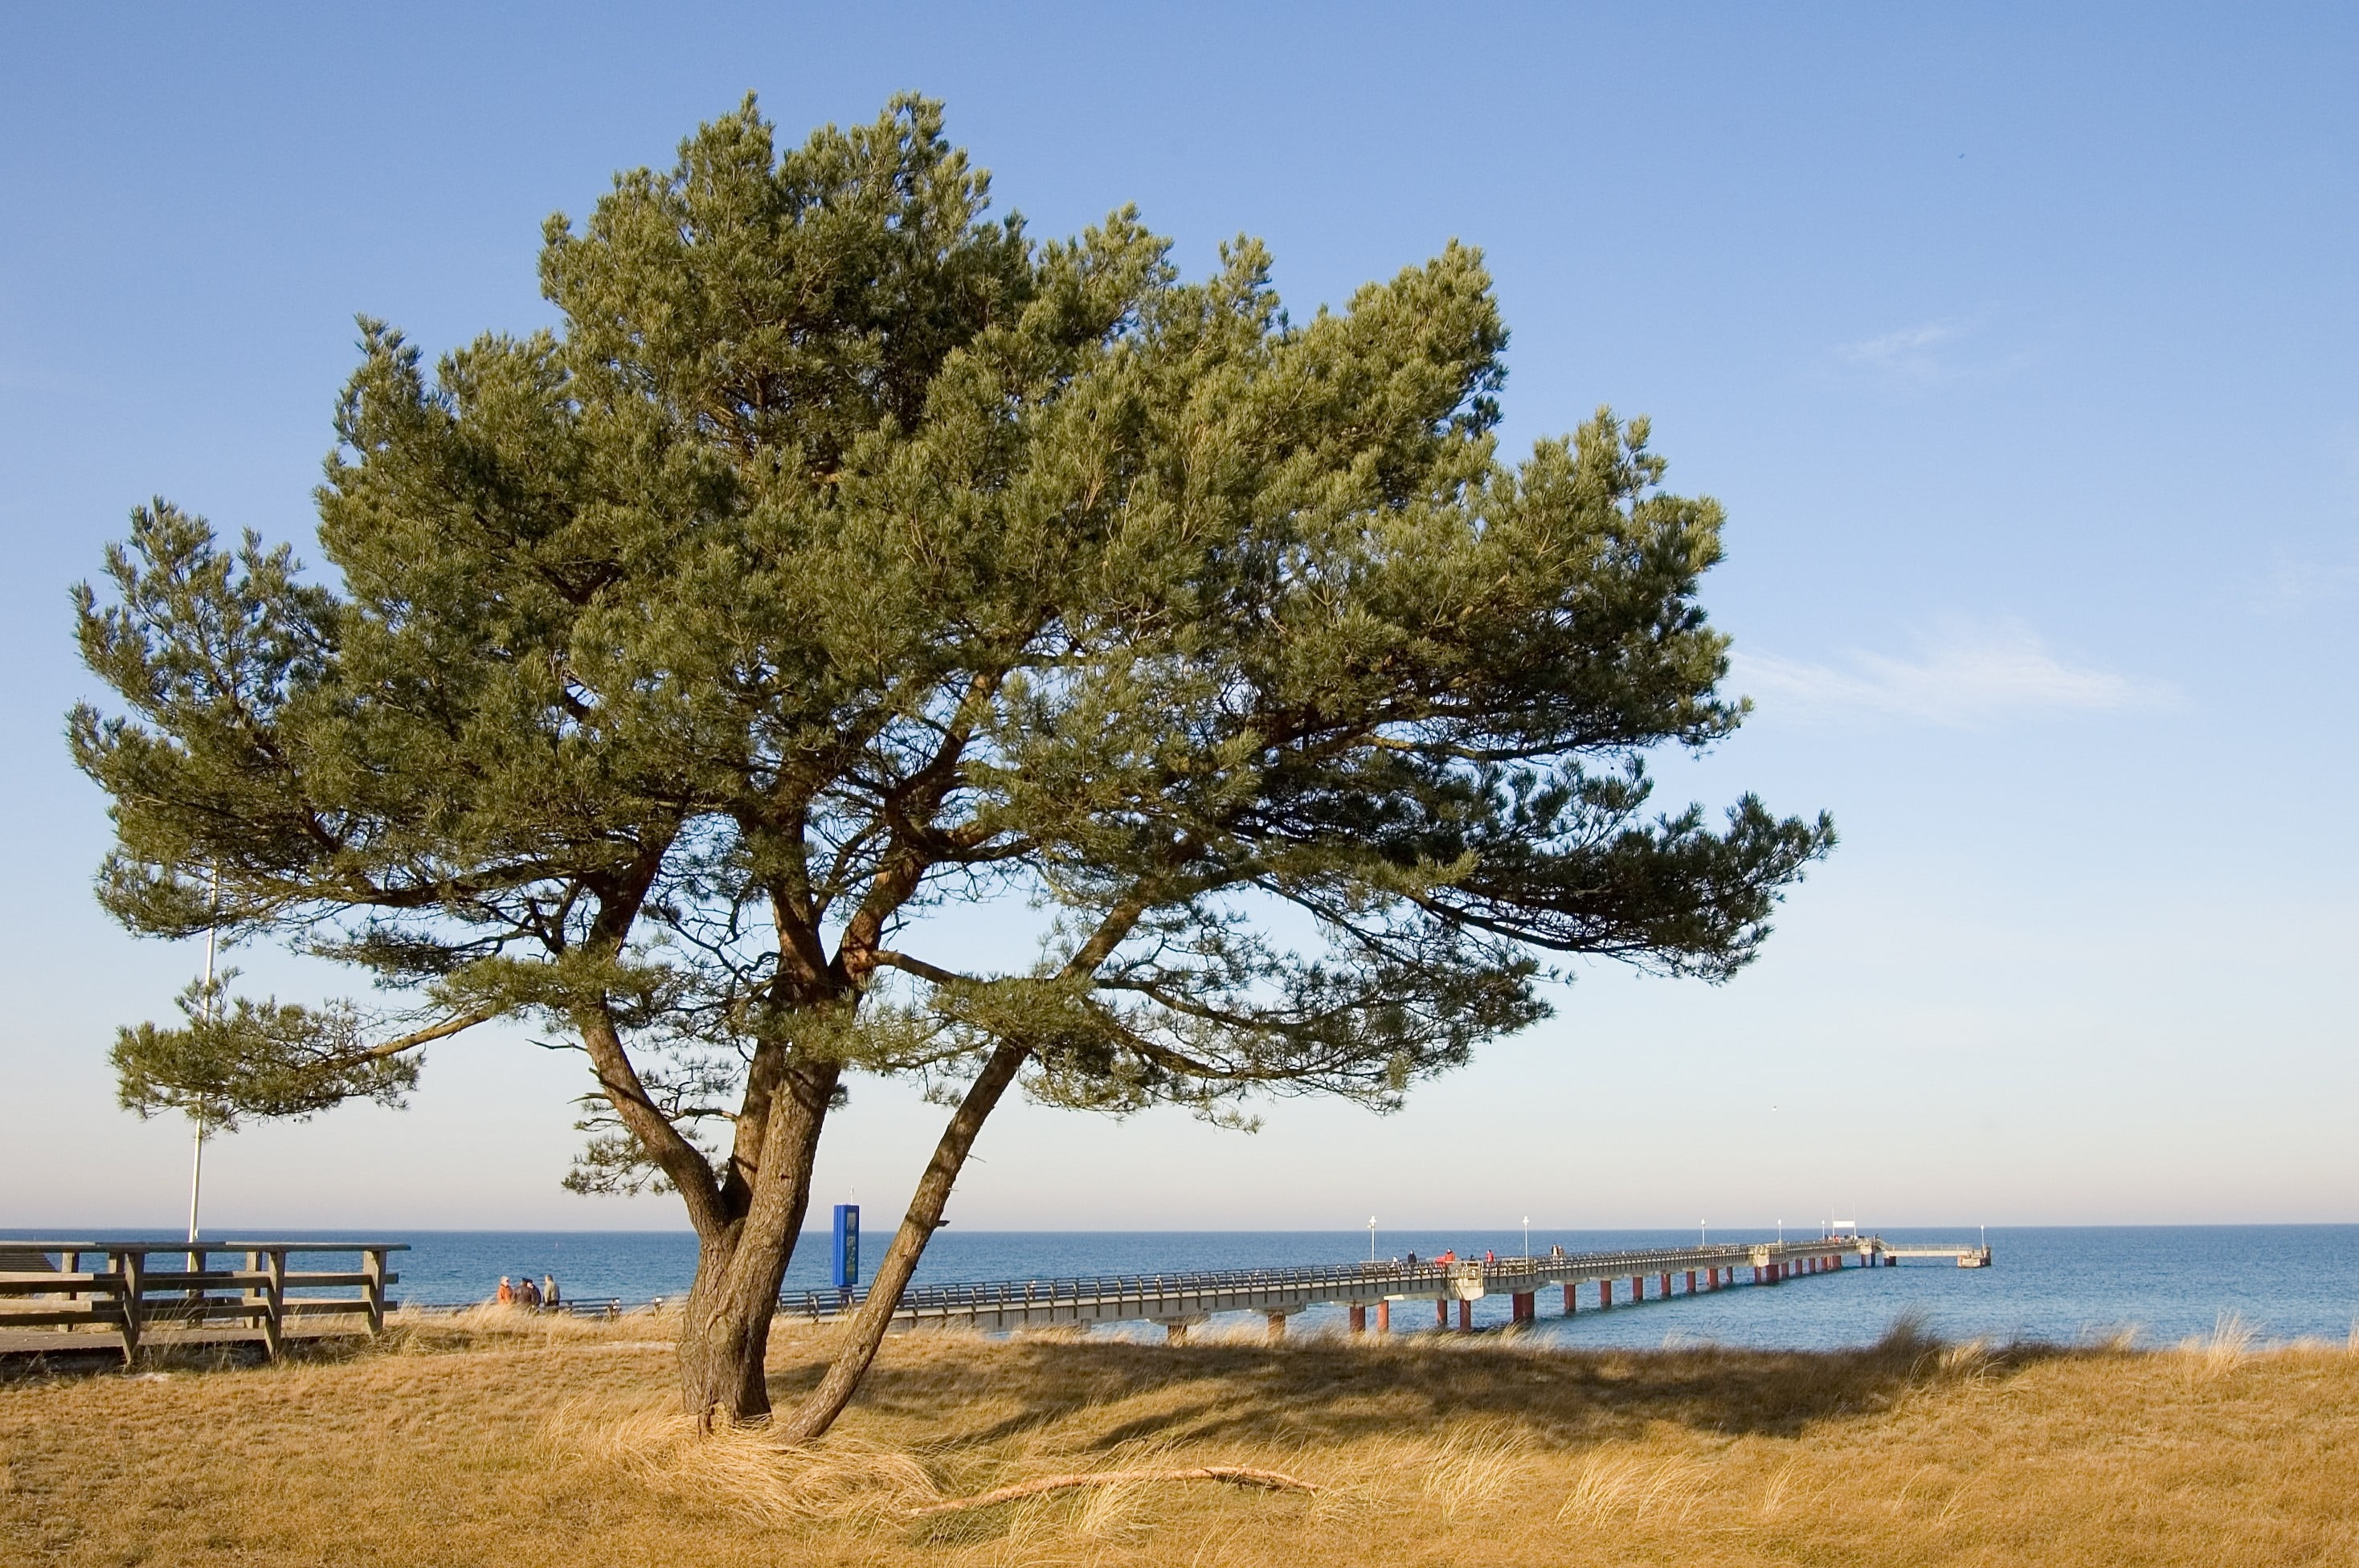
1229,1475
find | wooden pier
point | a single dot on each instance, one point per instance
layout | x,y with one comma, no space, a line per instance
1370,1291
62,1297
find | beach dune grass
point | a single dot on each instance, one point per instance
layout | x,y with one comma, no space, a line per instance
470,1441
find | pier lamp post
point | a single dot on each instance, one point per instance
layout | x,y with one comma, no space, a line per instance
1527,1238
1372,1238
1699,1233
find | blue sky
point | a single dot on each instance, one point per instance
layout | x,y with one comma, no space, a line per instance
2018,344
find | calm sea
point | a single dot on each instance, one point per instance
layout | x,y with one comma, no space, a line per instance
2061,1284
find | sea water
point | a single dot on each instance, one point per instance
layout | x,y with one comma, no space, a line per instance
2064,1284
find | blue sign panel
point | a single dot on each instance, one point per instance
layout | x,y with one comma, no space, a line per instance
847,1246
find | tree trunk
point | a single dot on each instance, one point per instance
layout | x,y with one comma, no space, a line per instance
740,1266
858,1346
724,1337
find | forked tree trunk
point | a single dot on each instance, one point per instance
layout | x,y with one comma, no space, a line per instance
725,1334
724,1337
857,1348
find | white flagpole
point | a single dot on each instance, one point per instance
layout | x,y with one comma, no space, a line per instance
196,1149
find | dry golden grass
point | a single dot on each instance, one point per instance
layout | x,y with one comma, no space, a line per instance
479,1440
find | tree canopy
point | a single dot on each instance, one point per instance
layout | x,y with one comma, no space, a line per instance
844,555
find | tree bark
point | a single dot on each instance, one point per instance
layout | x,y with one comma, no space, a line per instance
741,1264
819,1408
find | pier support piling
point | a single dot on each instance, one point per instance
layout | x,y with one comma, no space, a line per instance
1465,1317
1569,1304
1384,1317
1175,1329
1359,1317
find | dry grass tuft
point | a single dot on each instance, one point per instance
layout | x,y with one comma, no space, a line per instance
1470,1466
744,1467
2229,1347
1634,1488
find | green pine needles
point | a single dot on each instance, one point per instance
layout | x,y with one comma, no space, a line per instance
846,556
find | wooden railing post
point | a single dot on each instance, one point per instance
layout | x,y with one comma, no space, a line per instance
131,1267
372,1269
274,1304
253,1297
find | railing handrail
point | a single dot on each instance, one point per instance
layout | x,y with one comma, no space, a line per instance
1198,1282
34,1244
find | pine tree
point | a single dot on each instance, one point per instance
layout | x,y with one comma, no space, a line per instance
845,555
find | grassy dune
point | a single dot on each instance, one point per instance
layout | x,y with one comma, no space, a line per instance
491,1441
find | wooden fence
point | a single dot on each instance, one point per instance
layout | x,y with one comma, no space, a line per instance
113,1286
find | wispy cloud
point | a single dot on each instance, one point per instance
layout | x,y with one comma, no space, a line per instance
1937,354
1911,351
2293,586
1964,672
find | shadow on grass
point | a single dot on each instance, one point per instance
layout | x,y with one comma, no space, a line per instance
1324,1391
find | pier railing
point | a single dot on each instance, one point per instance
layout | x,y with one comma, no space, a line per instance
113,1287
1109,1296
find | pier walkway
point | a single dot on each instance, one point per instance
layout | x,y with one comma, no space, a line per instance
1181,1301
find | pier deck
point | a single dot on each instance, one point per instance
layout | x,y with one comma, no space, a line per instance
1180,1301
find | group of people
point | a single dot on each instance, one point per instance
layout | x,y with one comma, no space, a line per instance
523,1292
1445,1259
